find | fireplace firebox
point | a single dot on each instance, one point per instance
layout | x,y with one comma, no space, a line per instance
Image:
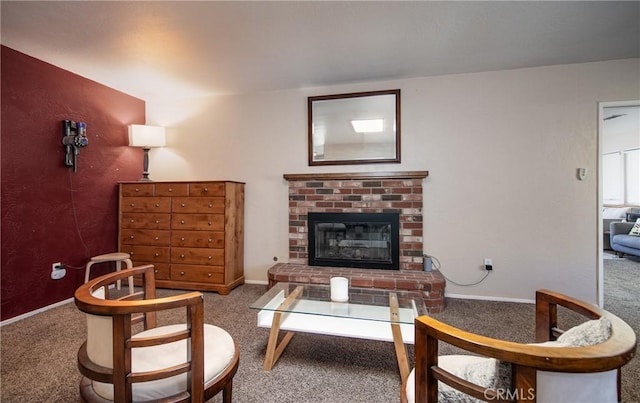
363,240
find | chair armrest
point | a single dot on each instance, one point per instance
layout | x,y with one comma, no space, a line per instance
547,313
606,223
611,354
617,228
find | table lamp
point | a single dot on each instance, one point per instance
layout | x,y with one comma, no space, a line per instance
146,137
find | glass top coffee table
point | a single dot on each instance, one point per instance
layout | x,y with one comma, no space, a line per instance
370,314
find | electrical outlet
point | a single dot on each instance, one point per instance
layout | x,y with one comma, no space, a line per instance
488,263
57,271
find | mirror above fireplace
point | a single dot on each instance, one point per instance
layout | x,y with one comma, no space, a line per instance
355,128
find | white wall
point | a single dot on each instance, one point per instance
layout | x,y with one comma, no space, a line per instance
501,148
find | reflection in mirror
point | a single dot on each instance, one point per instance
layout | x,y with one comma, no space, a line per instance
357,128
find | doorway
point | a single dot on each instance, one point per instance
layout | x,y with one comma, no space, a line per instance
618,166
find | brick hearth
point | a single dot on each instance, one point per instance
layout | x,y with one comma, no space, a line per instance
429,284
369,192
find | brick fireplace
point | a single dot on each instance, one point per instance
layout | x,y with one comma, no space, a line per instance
370,192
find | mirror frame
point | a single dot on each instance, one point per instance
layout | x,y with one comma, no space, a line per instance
310,103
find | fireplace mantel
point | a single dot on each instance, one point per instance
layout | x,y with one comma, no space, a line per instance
357,175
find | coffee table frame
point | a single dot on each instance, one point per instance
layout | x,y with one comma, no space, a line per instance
310,323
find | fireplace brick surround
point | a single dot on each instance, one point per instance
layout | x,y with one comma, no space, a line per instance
369,192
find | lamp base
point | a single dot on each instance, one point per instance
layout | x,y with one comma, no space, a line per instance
145,166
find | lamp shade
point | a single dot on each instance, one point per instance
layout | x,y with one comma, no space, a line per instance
146,136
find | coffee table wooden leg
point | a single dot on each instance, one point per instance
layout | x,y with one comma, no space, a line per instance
275,349
401,349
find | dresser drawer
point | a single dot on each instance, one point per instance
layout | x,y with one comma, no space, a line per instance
145,237
151,254
148,221
207,189
211,257
136,189
195,273
198,222
145,205
198,239
162,271
209,205
172,189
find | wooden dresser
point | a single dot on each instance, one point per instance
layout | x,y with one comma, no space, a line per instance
193,232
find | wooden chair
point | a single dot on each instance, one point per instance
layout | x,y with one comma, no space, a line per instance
118,258
189,362
550,371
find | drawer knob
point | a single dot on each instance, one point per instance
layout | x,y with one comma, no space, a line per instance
209,257
210,240
137,190
182,204
157,204
182,256
131,253
133,204
182,222
155,271
170,189
157,221
182,239
206,189
156,254
210,205
131,236
209,275
132,220
209,222
155,238
182,273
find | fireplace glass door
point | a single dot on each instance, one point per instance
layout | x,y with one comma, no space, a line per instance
354,240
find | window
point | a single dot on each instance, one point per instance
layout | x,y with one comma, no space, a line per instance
631,176
621,155
621,177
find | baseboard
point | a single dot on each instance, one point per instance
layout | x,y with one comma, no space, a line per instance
485,298
261,282
37,311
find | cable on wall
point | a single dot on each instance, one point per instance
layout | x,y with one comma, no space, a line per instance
75,218
437,266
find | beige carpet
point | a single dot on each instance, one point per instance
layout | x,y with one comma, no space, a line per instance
39,353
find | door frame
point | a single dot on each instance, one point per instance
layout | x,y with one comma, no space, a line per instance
600,254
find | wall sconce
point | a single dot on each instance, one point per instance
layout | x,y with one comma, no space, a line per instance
146,137
74,137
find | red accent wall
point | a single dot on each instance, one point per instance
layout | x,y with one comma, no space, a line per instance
49,213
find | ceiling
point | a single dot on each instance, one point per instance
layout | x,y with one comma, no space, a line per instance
161,49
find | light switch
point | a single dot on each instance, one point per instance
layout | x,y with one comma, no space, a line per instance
582,173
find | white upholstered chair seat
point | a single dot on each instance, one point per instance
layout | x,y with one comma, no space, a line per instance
219,351
553,387
456,364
